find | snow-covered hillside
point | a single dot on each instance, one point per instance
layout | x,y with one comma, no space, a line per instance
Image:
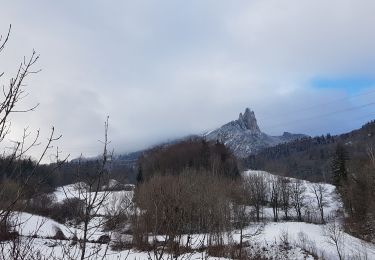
313,236
333,201
272,240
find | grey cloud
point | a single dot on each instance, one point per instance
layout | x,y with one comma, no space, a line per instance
164,69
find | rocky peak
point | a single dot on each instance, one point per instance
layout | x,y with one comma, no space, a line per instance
244,137
248,121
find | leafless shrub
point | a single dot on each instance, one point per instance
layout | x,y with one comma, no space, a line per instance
284,239
69,210
227,251
335,236
121,242
307,244
13,188
59,234
171,206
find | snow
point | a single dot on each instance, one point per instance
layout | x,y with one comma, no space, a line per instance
30,225
299,232
334,203
266,238
316,234
112,199
53,249
270,237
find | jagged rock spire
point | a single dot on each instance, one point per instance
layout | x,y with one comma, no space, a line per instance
248,121
244,137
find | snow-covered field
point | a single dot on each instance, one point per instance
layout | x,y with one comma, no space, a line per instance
112,200
275,240
54,249
311,207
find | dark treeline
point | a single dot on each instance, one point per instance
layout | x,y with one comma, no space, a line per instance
38,179
24,173
70,172
193,154
355,182
310,158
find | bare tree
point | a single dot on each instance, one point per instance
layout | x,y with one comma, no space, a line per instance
257,187
321,196
286,196
335,236
11,102
89,190
14,91
172,206
298,197
275,184
242,197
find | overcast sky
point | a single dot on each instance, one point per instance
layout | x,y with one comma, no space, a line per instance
165,69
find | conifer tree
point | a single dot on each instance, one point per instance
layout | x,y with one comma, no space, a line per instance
139,177
338,166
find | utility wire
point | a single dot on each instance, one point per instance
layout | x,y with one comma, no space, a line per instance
324,103
323,115
339,99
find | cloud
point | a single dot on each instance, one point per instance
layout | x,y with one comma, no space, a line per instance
164,69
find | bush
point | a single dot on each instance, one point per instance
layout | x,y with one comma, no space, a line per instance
116,221
68,210
104,239
192,202
42,205
9,190
71,209
6,233
59,234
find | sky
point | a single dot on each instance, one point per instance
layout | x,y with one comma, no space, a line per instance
165,69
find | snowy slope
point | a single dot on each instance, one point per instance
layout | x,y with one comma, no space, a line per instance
301,234
269,240
334,203
112,199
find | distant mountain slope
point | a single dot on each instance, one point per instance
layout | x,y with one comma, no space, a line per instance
244,137
310,158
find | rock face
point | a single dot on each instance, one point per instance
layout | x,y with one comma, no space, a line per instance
248,121
244,137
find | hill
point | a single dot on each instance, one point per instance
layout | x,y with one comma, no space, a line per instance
310,157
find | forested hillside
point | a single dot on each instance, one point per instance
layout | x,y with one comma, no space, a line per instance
310,157
193,154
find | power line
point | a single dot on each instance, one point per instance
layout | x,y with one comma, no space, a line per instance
339,99
325,103
324,115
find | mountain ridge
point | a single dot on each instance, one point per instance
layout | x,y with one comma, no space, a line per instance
244,137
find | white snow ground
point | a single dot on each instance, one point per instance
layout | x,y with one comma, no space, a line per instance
269,239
